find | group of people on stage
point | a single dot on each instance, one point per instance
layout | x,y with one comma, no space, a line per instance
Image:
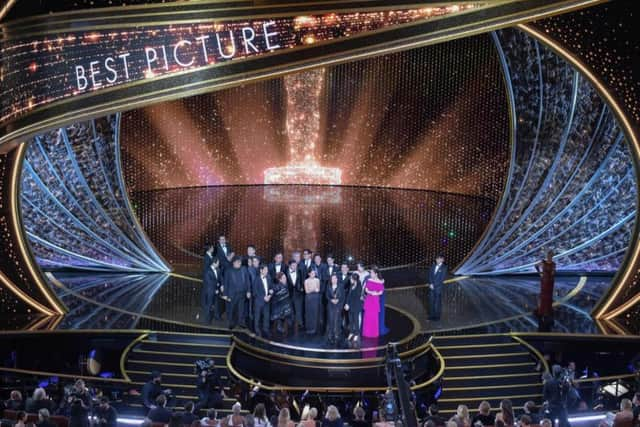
306,293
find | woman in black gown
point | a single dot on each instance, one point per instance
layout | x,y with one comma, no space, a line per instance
335,305
281,308
312,302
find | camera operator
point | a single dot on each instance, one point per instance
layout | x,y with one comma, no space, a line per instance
555,393
210,390
77,404
152,389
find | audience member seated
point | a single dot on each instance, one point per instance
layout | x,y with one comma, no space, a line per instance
528,410
525,421
462,414
160,414
21,419
506,413
484,415
188,417
432,415
624,418
235,419
211,419
308,417
15,402
358,418
636,408
38,401
331,419
546,422
44,418
106,414
284,418
260,418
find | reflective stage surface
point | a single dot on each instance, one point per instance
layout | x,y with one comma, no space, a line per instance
473,304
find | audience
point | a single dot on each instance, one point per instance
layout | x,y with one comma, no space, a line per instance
235,419
260,418
506,413
211,419
624,418
309,416
106,414
284,418
43,418
15,402
432,415
38,401
358,418
636,407
188,417
159,413
332,418
525,421
21,419
528,410
484,415
546,422
462,414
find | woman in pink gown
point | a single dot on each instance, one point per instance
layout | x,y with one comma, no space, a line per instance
373,288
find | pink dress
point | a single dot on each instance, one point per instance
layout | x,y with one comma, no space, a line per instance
370,321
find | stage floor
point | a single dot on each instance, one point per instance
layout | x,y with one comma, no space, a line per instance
473,304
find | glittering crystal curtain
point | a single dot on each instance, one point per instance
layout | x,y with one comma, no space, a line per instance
74,206
572,186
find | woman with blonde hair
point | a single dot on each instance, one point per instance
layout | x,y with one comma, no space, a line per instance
309,417
332,418
463,415
284,418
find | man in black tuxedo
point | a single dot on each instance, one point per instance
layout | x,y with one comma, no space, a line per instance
437,275
321,271
237,289
344,276
262,291
223,251
277,266
296,290
253,263
331,267
305,265
211,290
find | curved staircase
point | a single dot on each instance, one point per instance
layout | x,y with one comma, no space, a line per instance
488,367
175,354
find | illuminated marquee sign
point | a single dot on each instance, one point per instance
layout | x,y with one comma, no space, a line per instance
36,71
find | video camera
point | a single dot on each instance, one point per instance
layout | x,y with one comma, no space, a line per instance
204,365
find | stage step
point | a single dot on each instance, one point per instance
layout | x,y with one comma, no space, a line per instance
488,367
174,355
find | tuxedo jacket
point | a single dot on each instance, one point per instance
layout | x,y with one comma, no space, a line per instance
272,270
346,282
304,270
212,280
257,290
437,278
219,252
298,285
206,262
336,270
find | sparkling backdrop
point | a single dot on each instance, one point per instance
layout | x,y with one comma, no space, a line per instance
402,120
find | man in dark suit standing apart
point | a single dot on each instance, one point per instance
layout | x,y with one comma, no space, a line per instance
237,289
211,288
296,289
277,266
437,274
262,290
223,250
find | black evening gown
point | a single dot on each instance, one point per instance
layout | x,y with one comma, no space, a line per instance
312,304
